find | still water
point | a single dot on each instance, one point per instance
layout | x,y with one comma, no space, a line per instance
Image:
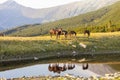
84,70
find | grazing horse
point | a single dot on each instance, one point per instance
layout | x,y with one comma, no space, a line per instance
64,33
72,33
1,34
87,32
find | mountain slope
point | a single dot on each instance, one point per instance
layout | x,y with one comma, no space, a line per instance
13,14
97,19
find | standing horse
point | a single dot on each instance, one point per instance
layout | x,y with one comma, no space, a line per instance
52,31
87,32
58,32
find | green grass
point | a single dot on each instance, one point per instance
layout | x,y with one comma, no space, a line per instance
17,48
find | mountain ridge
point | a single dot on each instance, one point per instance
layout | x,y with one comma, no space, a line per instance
96,21
20,15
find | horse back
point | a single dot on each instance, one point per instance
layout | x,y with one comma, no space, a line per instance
64,32
72,32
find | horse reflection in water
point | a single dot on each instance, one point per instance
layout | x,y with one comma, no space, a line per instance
85,66
57,68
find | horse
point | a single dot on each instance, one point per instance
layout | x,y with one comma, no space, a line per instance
52,31
1,34
72,33
64,32
87,32
58,32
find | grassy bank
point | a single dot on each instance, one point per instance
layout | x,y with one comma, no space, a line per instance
18,48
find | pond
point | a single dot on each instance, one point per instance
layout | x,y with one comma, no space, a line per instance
61,69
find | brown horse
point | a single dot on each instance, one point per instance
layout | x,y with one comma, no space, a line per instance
72,33
58,32
53,32
1,34
87,32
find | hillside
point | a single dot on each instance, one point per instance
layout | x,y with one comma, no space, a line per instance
96,21
13,14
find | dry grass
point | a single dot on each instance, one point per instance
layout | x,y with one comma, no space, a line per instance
93,35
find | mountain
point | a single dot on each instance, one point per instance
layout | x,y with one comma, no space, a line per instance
95,20
13,14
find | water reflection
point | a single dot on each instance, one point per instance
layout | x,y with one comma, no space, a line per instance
58,68
61,69
85,66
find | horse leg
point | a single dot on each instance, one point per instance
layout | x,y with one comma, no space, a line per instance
51,35
75,35
88,35
65,36
70,35
56,36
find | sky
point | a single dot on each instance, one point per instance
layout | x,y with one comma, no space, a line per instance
42,3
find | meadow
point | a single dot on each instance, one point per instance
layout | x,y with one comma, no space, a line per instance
100,47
